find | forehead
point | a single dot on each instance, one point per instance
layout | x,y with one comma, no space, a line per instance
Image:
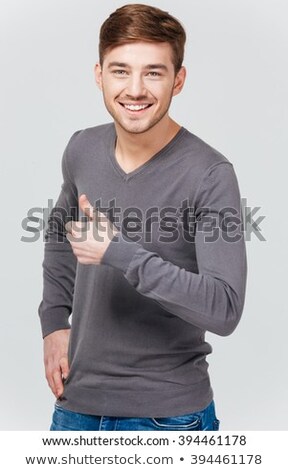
140,54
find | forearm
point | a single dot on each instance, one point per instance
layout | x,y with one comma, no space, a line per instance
208,302
59,267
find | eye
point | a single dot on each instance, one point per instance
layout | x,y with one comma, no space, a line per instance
154,74
119,72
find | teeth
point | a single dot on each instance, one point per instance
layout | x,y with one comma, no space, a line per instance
135,107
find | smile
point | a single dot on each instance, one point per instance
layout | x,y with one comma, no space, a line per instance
136,107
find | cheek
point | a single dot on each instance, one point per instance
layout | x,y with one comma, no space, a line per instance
112,88
164,92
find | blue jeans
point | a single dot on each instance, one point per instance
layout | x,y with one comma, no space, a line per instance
65,420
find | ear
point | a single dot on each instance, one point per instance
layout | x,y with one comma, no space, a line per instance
179,81
98,75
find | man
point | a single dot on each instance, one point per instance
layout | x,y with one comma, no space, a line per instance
160,257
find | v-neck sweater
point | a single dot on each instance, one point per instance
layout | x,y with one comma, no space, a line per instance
176,269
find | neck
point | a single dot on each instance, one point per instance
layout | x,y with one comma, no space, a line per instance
138,148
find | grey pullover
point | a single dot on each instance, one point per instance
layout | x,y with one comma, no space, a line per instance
176,269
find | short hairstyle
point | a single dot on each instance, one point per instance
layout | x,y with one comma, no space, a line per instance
139,22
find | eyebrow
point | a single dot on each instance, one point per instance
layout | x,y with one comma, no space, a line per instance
147,67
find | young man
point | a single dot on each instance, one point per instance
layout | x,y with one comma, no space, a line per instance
160,257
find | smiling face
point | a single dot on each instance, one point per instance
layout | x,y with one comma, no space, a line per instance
138,82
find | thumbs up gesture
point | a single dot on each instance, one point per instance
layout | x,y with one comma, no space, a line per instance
89,240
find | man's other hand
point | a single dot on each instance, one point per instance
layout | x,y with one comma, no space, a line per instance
56,359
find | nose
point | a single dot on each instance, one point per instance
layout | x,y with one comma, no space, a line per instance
135,86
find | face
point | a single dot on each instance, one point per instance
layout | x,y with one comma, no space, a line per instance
138,82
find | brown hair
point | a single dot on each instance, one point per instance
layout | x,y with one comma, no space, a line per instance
138,22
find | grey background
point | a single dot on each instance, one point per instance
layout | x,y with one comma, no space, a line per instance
235,98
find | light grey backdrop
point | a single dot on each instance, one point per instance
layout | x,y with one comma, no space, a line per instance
235,98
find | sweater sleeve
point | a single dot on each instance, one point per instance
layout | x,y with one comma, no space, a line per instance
213,298
59,264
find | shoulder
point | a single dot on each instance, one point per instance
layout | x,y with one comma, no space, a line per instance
84,144
199,154
208,171
84,138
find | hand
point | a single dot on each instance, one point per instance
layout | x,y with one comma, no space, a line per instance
90,240
56,360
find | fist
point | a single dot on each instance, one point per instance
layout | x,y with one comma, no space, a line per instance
89,240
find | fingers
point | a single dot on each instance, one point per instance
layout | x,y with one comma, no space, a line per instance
69,226
57,383
56,360
55,376
55,379
101,223
76,229
64,366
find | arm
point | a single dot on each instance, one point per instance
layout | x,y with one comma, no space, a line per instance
59,268
213,298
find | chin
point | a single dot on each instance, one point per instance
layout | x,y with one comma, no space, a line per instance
134,128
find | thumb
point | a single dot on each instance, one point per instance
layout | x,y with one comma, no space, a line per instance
86,207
